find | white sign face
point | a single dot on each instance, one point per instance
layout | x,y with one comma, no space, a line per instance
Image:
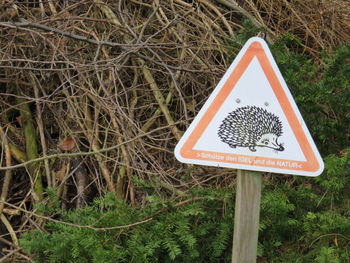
251,121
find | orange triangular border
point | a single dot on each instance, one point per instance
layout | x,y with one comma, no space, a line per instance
255,49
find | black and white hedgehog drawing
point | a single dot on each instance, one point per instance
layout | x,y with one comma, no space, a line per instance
251,126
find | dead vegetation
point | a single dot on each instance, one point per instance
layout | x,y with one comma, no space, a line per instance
94,93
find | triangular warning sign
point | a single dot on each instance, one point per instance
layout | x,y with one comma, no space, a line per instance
251,122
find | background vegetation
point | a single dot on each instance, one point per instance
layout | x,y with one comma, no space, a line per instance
94,95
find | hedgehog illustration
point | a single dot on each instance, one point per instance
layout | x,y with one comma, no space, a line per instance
251,127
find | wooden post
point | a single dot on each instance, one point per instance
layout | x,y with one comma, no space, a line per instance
246,224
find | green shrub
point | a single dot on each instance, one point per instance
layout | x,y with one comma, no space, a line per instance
198,231
322,93
299,221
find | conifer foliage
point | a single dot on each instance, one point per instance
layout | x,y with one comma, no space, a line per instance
197,229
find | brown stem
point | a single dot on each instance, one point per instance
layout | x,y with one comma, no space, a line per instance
8,173
41,132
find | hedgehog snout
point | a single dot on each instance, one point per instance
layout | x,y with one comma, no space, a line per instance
278,146
269,140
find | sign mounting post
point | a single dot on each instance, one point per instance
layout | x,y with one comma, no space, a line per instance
246,222
250,122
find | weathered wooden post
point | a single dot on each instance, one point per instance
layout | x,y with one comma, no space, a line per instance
250,122
246,223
